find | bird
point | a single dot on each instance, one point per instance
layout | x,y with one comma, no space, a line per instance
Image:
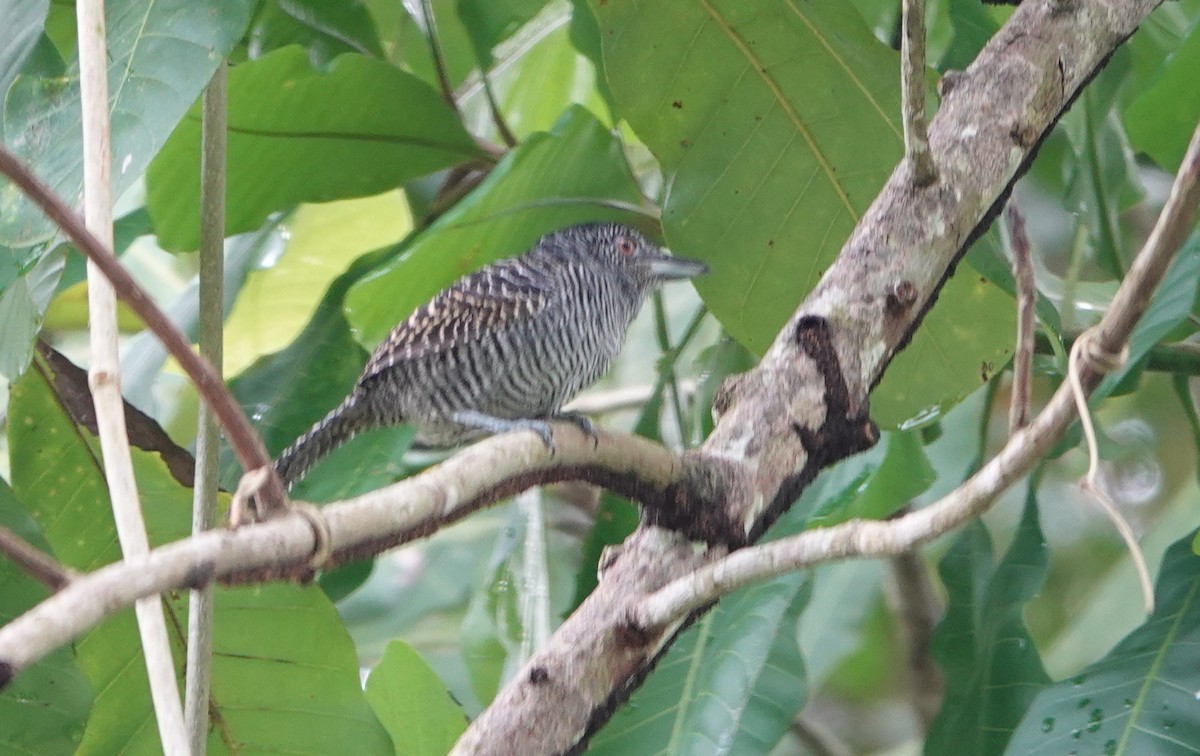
504,347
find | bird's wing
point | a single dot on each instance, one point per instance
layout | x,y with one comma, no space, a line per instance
490,300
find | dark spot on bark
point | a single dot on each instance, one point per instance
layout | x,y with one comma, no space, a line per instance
948,81
900,298
631,635
1023,136
200,575
538,676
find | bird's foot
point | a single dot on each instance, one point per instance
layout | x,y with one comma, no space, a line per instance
583,423
473,419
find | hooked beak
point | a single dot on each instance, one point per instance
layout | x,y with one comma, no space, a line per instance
669,268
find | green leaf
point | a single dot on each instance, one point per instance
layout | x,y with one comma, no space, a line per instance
288,391
904,474
285,676
413,703
1102,177
991,665
775,126
845,594
44,709
1141,697
325,29
22,305
771,156
1171,305
376,127
23,22
543,50
319,243
490,22
538,187
161,55
961,344
1163,116
731,683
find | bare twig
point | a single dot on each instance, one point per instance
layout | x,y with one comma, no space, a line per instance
912,92
509,138
1022,263
36,563
435,52
859,538
242,438
918,611
204,496
818,738
105,378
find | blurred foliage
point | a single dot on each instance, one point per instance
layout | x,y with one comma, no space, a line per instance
752,135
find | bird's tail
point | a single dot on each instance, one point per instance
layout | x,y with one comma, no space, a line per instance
333,430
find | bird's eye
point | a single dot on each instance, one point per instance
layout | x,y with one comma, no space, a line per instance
626,246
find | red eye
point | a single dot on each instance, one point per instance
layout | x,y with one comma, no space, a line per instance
626,246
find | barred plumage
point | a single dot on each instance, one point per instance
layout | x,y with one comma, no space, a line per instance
503,348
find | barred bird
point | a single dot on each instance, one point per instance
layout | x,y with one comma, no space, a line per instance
503,348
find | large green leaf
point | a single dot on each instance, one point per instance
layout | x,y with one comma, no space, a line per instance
776,124
963,341
297,134
1163,117
1171,305
1102,177
903,474
413,704
991,665
543,50
575,173
284,675
489,22
22,305
1141,697
45,708
23,21
160,55
732,683
325,29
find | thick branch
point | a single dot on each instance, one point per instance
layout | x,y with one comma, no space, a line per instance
804,405
487,472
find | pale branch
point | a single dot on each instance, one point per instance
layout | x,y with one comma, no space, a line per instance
104,375
912,92
365,525
197,681
861,538
1022,263
805,405
242,438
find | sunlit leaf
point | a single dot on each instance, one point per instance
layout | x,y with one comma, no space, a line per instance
376,127
161,55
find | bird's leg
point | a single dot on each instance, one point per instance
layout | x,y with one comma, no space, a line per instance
582,422
491,424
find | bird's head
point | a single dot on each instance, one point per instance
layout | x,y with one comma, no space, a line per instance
621,248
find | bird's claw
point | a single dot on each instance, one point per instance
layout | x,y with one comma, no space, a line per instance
583,423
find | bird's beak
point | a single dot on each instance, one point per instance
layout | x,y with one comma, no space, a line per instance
670,268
